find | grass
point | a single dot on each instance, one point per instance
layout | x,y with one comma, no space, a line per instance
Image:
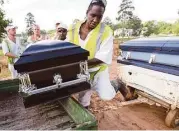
4,72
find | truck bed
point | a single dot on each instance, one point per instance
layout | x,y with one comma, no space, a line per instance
48,116
57,114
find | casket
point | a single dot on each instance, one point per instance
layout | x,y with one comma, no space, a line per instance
50,69
160,54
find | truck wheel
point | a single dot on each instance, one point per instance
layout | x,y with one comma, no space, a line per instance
171,118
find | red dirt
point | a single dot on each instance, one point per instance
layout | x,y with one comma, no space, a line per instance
111,116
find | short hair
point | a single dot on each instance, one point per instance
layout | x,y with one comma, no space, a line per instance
34,26
98,3
57,24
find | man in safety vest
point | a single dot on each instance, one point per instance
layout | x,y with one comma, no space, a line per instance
97,38
11,48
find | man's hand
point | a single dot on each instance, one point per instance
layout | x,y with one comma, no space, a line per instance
11,55
56,36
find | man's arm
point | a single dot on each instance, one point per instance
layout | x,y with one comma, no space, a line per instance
6,51
105,52
56,36
10,55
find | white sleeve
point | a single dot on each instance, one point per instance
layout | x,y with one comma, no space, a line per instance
106,50
4,48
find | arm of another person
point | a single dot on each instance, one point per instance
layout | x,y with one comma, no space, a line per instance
104,54
56,36
6,51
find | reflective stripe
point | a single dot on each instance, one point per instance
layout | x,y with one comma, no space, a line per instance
10,60
93,44
73,32
7,43
98,41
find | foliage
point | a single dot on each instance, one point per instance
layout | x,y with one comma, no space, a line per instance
30,20
164,27
175,28
108,22
125,10
150,27
135,24
3,21
51,33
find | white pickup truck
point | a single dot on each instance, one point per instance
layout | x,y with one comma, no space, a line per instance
150,66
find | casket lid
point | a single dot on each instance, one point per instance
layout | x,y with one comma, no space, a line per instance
50,53
158,44
47,46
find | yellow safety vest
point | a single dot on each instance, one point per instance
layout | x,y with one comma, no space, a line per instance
99,34
10,60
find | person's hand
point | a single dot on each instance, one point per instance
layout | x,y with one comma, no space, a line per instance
56,36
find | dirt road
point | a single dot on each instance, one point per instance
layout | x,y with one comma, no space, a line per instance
111,116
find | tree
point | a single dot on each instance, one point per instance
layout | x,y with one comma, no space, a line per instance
1,2
150,27
175,28
126,10
135,24
164,27
125,14
43,32
51,33
29,19
117,26
108,22
3,21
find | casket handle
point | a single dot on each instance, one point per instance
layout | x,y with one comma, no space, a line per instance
152,58
128,55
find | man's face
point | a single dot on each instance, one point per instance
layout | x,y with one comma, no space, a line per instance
62,33
94,16
12,32
36,30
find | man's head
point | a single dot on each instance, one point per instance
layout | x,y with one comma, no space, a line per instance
57,24
11,30
36,30
62,31
95,12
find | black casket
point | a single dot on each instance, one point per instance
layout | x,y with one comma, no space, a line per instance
50,69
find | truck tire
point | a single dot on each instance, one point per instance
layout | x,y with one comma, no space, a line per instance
171,118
